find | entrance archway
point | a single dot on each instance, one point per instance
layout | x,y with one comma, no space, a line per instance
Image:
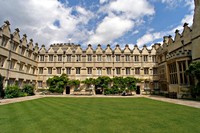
138,90
68,90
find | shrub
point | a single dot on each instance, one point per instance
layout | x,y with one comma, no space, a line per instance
13,91
1,86
28,90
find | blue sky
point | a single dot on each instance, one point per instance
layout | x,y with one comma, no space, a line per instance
97,21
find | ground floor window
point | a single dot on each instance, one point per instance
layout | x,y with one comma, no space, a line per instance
173,73
137,70
118,71
108,70
78,70
40,84
182,68
89,70
99,71
146,70
128,71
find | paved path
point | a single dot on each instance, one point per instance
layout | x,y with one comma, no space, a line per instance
19,99
190,103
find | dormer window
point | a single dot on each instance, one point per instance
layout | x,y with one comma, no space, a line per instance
98,57
117,58
41,57
59,57
4,41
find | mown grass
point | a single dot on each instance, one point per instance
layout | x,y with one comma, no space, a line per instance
98,115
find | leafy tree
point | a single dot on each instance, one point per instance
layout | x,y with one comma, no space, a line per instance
194,71
1,86
130,83
57,83
89,81
103,82
119,83
74,82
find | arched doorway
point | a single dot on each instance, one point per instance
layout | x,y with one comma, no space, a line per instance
99,90
138,90
68,90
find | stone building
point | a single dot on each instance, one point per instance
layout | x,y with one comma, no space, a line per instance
175,55
161,67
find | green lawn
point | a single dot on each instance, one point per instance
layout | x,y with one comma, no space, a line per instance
98,115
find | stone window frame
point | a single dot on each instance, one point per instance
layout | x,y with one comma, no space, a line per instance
137,70
78,70
118,70
109,70
51,57
89,57
89,70
99,70
146,71
128,70
68,70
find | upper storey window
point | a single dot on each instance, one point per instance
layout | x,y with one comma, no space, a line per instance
153,58
145,58
29,54
98,57
89,57
127,57
21,66
51,58
68,58
108,58
117,58
41,57
5,41
40,70
23,50
59,57
146,70
78,58
136,58
2,60
12,64
14,46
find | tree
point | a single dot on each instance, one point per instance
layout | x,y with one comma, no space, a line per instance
57,83
1,86
119,83
194,71
74,82
89,82
103,82
130,83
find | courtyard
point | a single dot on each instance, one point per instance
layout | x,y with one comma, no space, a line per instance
98,114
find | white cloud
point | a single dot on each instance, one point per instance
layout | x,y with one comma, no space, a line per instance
103,1
121,17
36,18
149,38
111,28
132,8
